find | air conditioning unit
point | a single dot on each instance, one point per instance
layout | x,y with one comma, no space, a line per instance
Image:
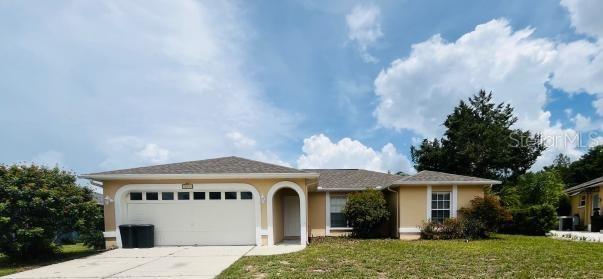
567,223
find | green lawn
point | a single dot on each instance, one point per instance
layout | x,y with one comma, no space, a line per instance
69,252
503,256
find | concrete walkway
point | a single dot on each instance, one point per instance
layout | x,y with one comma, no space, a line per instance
577,235
153,263
158,262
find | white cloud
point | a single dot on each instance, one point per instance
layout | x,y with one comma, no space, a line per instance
579,66
132,151
417,92
585,16
585,123
155,154
240,140
364,29
142,82
320,152
246,147
50,158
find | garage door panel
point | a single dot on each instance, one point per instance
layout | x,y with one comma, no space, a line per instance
197,222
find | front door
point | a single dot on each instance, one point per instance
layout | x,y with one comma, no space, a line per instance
291,206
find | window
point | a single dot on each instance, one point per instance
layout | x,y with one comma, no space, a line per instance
184,196
167,196
440,206
246,195
199,195
582,202
230,195
135,196
152,196
338,219
596,203
215,195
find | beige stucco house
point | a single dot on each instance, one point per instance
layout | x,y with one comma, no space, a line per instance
236,201
585,200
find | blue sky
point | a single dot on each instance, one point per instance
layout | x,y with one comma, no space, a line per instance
93,86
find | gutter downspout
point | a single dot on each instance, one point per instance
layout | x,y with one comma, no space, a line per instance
397,211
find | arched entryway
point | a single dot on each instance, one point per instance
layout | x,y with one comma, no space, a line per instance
286,214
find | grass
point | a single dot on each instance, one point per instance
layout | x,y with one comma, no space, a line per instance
504,256
69,252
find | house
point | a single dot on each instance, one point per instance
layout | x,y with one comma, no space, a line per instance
585,200
236,201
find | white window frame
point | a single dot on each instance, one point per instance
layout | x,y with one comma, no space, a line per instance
331,228
582,199
450,203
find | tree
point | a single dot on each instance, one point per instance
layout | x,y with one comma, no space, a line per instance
365,211
540,188
37,203
561,165
588,167
479,141
534,200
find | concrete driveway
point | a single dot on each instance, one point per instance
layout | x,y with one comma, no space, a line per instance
158,262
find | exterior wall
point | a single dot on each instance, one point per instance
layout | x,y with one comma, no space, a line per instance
412,205
261,185
467,193
586,211
317,214
576,210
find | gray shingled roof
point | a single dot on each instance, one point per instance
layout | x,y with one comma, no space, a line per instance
591,183
352,179
426,177
210,166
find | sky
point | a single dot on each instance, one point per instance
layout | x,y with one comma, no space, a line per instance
100,85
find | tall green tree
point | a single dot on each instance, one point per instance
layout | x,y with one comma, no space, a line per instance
479,140
588,167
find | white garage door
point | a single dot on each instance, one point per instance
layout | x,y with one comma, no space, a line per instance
195,217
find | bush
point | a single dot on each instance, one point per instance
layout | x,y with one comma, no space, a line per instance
37,204
533,220
454,228
488,211
365,211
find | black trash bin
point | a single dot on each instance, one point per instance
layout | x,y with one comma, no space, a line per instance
145,236
127,236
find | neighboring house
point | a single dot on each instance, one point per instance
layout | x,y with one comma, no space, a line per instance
585,199
236,201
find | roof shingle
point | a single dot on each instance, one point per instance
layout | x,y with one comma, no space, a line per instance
210,166
352,179
426,177
588,184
